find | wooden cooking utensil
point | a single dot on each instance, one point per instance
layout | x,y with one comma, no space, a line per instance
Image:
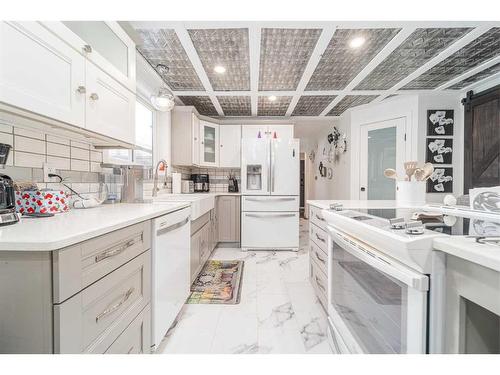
391,173
410,167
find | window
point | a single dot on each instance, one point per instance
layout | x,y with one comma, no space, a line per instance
144,120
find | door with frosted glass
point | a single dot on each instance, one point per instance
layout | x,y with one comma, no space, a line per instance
382,146
209,151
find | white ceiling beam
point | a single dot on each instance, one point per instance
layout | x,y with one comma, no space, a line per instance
386,51
483,84
469,73
319,49
188,46
305,93
254,35
462,42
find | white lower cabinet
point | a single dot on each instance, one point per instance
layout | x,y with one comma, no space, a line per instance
40,73
228,218
318,255
110,108
136,337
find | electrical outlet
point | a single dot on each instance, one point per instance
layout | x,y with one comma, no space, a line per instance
47,169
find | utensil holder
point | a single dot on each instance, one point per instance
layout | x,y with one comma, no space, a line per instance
410,192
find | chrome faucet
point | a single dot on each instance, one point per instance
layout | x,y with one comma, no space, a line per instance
155,178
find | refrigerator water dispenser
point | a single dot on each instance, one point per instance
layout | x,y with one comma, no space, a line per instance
254,177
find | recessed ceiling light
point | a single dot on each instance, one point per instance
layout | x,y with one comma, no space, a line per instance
272,98
357,42
219,69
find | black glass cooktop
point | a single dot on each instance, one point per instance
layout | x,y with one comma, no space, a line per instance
447,224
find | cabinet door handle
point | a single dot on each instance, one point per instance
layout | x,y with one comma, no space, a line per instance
116,306
87,48
319,258
318,282
94,96
320,238
111,253
81,90
319,217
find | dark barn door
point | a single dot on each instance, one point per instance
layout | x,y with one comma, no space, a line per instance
482,139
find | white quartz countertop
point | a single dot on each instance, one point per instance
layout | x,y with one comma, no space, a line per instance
468,249
360,204
65,229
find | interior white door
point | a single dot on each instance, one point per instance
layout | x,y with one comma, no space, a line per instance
230,146
41,73
285,166
255,166
382,146
110,106
209,144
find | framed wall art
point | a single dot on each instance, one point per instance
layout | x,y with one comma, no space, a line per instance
441,181
439,151
440,122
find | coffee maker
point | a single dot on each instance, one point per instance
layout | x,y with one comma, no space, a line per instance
201,183
7,197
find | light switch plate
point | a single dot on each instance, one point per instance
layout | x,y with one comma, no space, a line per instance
47,169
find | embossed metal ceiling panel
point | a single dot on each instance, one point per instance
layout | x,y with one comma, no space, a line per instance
476,52
312,105
476,77
227,48
284,54
235,105
341,63
162,46
416,50
275,108
203,104
350,101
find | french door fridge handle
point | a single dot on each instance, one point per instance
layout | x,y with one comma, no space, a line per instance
260,199
269,169
272,167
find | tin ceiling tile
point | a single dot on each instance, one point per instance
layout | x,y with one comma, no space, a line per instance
284,54
350,101
162,46
416,50
476,77
275,108
312,105
203,104
227,48
476,52
236,105
341,63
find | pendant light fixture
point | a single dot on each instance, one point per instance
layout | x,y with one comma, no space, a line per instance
164,101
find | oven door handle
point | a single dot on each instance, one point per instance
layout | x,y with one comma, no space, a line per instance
412,279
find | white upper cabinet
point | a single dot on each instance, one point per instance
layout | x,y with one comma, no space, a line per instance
195,124
229,146
209,145
110,107
40,73
104,43
185,137
267,131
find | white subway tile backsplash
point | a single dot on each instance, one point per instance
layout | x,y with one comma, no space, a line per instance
79,153
54,139
80,165
5,128
95,167
85,146
81,187
28,160
59,163
96,156
56,149
29,145
29,133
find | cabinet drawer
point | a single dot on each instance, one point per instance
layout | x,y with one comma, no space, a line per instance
79,266
319,237
269,203
266,230
319,282
90,321
136,339
319,256
316,217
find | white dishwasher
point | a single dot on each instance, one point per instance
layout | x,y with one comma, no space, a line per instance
170,270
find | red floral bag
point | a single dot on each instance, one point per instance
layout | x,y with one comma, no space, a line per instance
41,201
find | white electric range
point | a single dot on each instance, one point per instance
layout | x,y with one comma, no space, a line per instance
385,285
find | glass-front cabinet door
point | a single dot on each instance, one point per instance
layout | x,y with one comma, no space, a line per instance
209,145
104,43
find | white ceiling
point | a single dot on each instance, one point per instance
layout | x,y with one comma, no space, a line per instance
309,66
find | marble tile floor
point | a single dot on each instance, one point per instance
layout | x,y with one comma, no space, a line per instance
278,312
